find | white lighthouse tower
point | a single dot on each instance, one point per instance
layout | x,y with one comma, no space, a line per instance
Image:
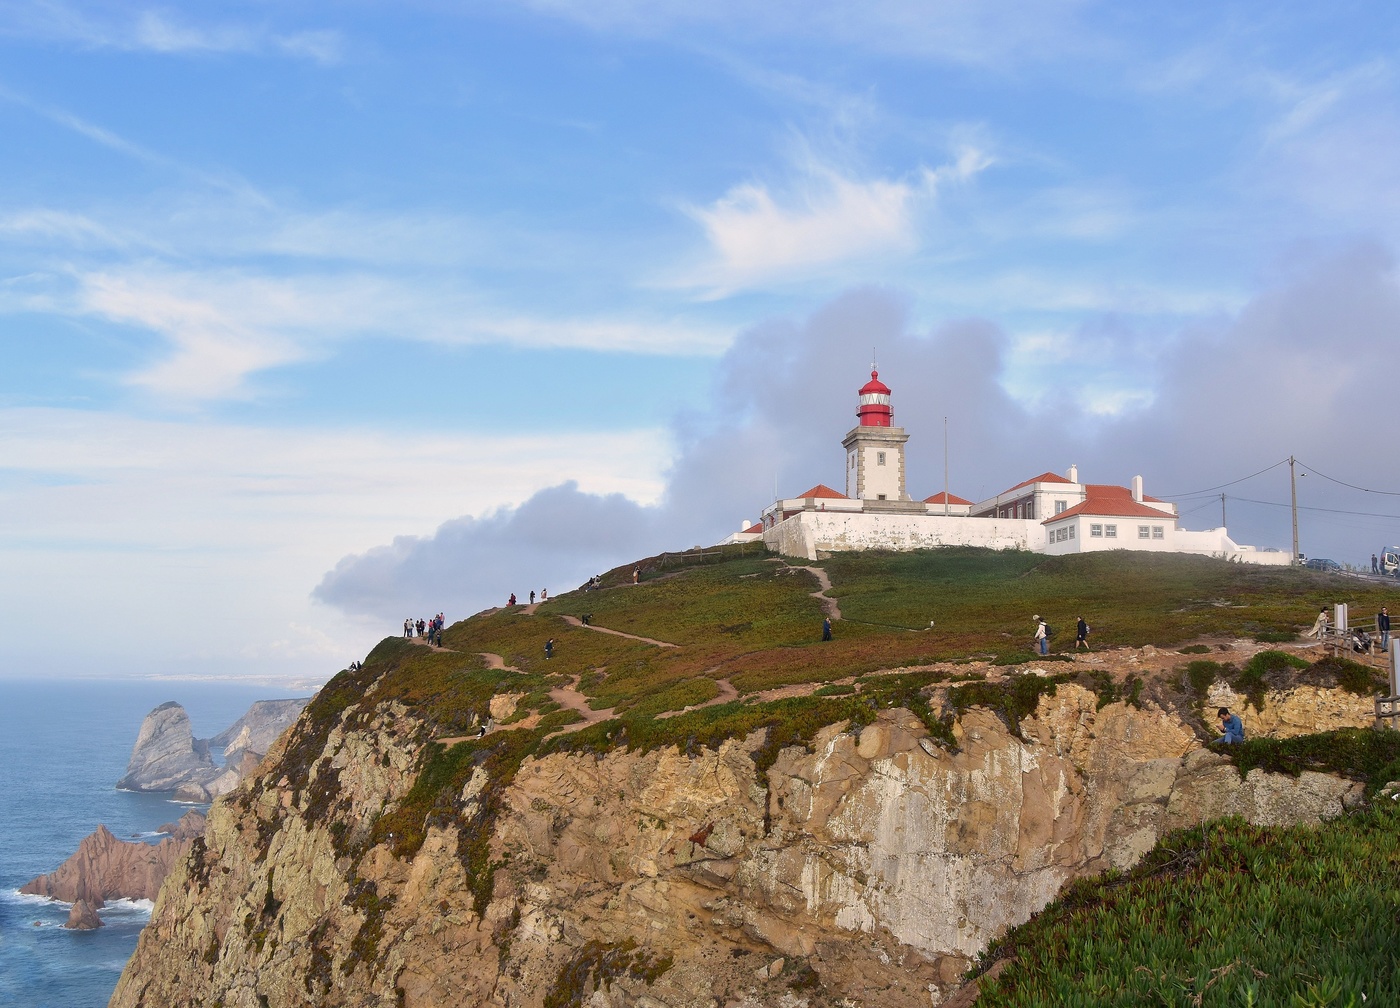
875,448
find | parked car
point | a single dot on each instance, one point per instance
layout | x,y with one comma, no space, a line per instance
1322,564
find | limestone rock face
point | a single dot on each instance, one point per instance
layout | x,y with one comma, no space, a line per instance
258,728
865,869
166,754
106,868
1299,711
83,917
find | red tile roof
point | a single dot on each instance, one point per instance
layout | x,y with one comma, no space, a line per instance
1047,477
822,490
952,498
1111,502
752,529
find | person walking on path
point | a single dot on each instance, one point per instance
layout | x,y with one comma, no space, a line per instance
826,628
532,596
1041,641
1081,635
1319,627
1231,728
1383,627
549,648
1375,564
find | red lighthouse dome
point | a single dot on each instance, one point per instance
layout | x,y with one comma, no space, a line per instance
875,410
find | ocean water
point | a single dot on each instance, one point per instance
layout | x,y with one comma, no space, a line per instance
63,745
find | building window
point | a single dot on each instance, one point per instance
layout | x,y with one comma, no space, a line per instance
1060,506
1096,531
1144,532
1157,532
1071,531
881,497
879,458
1110,531
1030,509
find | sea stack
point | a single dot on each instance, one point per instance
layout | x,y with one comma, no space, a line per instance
83,917
167,754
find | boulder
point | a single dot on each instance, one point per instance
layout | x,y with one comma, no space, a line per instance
187,827
83,917
167,754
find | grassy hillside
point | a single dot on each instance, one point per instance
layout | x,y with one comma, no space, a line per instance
1231,914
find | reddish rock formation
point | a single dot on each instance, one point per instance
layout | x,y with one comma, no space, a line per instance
83,917
107,868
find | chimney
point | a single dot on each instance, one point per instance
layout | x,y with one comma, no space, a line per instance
1137,489
743,525
1073,474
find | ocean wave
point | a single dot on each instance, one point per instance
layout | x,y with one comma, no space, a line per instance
142,907
29,899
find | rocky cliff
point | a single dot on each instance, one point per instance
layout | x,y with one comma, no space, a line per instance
862,866
106,868
257,729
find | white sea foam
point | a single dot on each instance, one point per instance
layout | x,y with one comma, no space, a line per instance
15,896
128,907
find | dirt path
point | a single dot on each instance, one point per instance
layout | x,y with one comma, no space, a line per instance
575,621
829,605
496,662
423,642
727,692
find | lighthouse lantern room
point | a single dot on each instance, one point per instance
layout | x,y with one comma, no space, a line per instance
875,448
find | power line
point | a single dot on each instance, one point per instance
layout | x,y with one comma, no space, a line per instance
1353,486
1302,507
1222,486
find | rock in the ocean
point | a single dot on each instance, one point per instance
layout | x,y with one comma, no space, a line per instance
107,868
256,730
167,754
187,827
83,917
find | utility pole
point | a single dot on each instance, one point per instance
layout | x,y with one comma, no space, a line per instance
945,467
1293,489
1223,522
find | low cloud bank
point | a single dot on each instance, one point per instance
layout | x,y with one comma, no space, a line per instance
1306,369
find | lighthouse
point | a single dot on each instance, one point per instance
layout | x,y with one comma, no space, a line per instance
875,447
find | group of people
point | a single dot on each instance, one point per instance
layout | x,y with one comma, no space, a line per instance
1361,640
1040,640
544,597
431,629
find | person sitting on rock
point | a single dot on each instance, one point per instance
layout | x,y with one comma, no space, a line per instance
1231,726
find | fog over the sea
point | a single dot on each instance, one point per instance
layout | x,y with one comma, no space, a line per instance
1231,395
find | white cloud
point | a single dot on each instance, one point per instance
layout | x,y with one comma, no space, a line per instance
826,218
160,31
208,538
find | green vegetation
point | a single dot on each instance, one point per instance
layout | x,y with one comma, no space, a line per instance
1011,700
1359,753
599,964
1228,914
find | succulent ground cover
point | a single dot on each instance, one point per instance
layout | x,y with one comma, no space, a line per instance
1226,914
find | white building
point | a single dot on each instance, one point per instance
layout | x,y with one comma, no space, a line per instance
1046,513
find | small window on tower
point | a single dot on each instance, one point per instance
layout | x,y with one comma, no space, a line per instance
879,458
1060,506
881,497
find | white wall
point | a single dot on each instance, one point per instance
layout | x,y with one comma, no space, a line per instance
807,533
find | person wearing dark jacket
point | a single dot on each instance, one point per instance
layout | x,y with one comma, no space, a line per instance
1081,635
1383,625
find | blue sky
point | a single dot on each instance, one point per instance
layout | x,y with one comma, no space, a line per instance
283,284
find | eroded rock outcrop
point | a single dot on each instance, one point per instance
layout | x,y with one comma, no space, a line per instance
106,868
83,917
258,728
166,754
866,868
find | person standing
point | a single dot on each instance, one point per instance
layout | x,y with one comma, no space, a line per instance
544,594
549,648
1081,635
1383,626
1375,564
826,628
1231,728
1041,641
532,596
636,574
512,599
1319,627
